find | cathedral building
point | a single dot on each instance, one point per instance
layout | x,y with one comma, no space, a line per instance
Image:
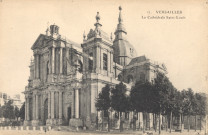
66,77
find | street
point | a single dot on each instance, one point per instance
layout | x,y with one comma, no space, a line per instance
31,132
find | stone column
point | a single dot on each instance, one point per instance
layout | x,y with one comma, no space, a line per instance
50,57
28,107
77,103
53,60
111,62
34,107
61,64
35,66
52,105
94,59
60,104
38,66
67,59
56,103
49,105
73,104
37,107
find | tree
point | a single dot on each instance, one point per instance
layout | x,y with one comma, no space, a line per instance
104,102
164,92
22,111
8,110
169,104
184,104
142,98
189,100
119,101
201,105
16,112
1,111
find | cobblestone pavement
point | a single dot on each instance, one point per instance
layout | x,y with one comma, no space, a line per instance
29,132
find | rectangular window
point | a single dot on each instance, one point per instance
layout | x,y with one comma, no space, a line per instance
105,63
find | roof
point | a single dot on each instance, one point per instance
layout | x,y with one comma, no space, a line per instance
138,60
40,38
98,32
125,48
39,41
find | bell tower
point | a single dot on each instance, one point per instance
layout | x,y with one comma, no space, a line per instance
98,51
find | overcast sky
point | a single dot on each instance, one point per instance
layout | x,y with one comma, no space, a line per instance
180,44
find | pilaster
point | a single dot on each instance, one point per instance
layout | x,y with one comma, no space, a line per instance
108,62
61,60
97,59
60,105
101,58
60,108
52,104
37,107
111,63
33,109
53,60
76,103
28,107
49,105
38,66
25,108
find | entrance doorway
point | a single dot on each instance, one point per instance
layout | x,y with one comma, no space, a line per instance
69,113
45,111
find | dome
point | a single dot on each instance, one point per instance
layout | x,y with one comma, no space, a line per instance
125,48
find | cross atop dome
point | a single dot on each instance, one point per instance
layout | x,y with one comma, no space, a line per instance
120,19
120,8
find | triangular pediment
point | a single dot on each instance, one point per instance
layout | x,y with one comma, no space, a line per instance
39,42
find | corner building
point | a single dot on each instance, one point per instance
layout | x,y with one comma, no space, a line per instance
66,77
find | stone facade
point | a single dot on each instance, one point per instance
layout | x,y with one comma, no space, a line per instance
66,77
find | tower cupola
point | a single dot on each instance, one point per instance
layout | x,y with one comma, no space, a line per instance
54,30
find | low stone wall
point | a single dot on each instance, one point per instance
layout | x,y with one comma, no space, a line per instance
36,128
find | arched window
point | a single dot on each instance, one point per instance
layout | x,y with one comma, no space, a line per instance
47,68
119,77
105,62
130,78
80,67
90,62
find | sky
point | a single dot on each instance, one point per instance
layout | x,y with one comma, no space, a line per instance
181,44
